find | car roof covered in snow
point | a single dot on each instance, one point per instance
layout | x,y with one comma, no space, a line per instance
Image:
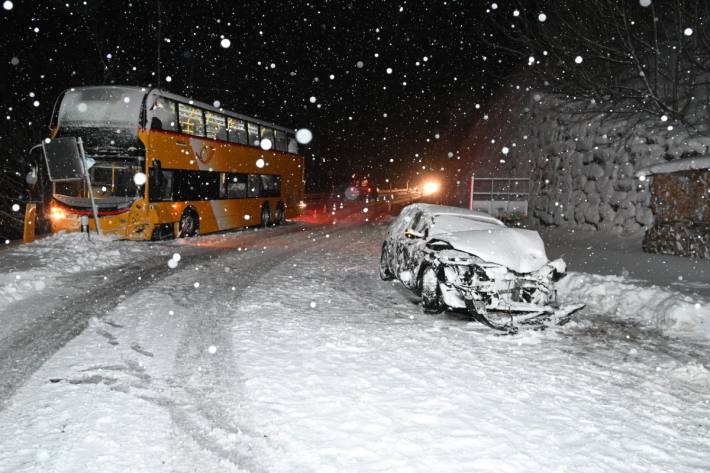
433,209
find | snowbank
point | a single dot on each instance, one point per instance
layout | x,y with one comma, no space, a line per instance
28,269
668,311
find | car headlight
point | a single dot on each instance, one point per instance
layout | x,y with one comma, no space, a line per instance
457,257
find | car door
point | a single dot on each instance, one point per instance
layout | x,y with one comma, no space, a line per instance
407,251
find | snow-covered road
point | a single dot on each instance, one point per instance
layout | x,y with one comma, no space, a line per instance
282,351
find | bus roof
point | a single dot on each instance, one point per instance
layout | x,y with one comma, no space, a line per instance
187,100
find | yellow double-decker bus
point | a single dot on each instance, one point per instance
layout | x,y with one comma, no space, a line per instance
168,166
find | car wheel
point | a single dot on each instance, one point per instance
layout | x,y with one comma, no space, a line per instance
279,214
431,293
265,216
385,273
189,224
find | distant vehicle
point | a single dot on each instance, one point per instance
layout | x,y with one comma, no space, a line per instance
360,188
459,259
168,166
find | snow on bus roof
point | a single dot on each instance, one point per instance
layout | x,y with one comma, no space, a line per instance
188,100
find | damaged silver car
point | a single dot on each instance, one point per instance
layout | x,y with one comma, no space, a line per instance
455,258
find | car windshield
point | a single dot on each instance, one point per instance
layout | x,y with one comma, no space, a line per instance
458,223
101,107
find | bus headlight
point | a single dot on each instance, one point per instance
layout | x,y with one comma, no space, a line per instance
301,205
56,213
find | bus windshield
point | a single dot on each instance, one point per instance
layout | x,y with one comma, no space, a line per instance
101,107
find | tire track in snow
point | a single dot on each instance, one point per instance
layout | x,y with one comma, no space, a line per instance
205,362
94,294
26,349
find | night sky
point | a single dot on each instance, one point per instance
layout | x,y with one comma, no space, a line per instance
390,79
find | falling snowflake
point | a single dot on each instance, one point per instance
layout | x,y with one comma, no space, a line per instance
688,31
645,3
15,207
139,178
260,162
225,43
304,136
578,60
542,18
7,5
266,145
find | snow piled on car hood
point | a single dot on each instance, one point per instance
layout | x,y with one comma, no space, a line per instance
519,250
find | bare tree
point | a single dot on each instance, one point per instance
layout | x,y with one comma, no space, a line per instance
653,54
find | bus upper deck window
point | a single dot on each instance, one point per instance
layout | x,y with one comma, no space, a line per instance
253,131
191,120
163,116
292,145
215,126
267,134
237,131
280,143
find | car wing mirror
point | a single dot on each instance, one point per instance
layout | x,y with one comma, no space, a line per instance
413,234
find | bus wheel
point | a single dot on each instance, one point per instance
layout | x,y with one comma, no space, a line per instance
280,215
189,224
265,215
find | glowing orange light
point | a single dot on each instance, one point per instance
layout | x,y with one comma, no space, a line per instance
430,187
55,213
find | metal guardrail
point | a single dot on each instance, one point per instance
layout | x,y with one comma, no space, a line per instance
499,195
334,195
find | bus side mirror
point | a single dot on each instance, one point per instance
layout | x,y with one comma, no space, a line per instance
31,177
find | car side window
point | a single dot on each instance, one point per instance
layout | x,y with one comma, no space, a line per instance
422,225
416,220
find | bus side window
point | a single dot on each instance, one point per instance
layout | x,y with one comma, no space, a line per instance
237,131
253,131
236,186
215,126
191,120
163,115
267,134
292,145
270,185
161,191
254,188
280,143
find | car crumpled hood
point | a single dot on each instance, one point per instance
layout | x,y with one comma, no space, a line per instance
519,250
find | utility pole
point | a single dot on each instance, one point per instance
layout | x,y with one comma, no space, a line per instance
160,39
